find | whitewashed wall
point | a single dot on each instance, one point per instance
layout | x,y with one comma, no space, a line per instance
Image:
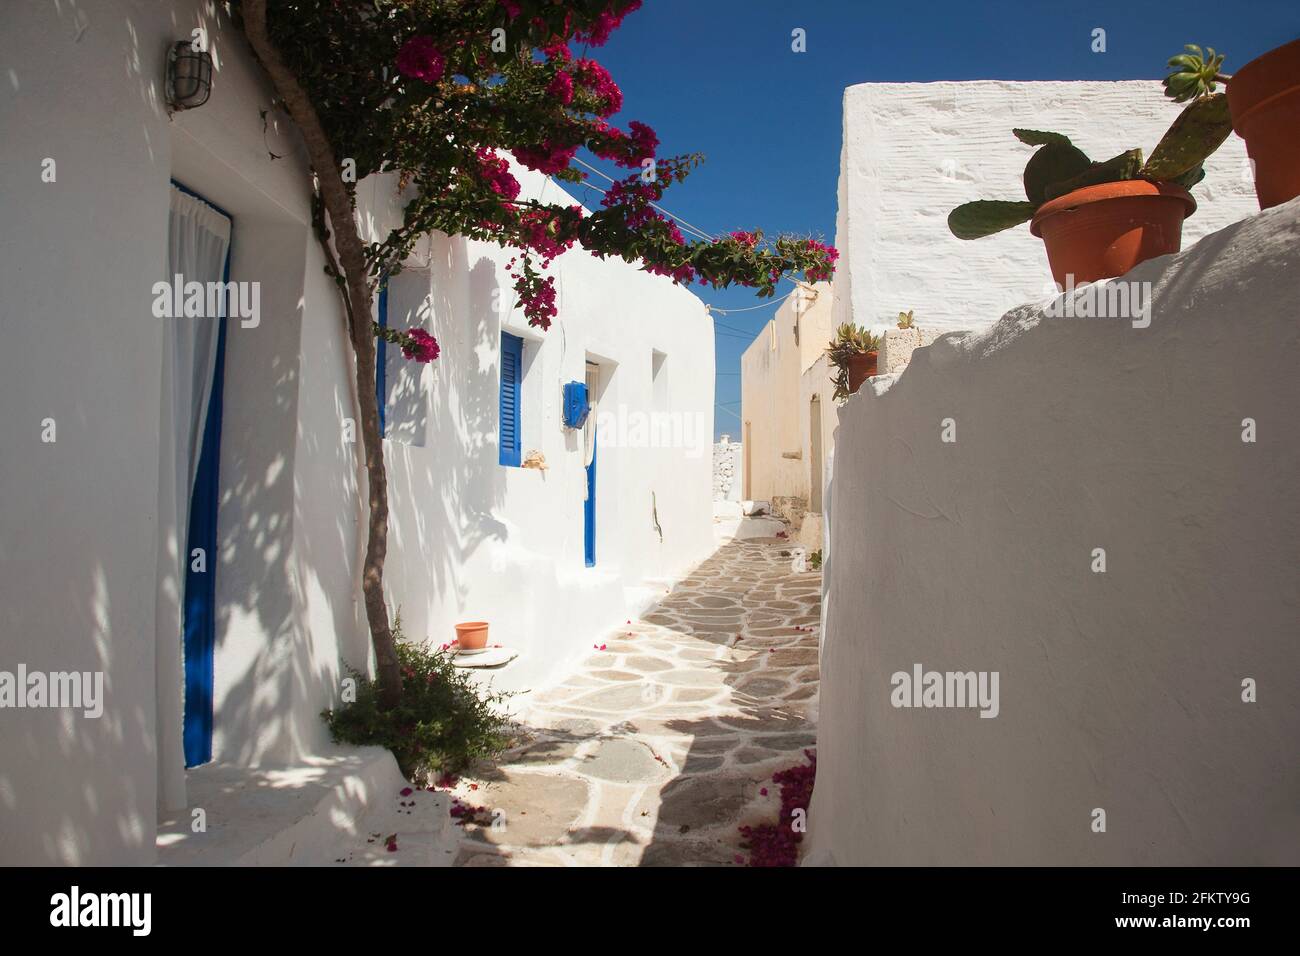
79,518
913,151
728,470
473,540
1119,690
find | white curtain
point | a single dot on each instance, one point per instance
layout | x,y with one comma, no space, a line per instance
198,238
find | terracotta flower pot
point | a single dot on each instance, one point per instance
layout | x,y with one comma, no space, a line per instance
1103,231
1264,98
472,635
861,367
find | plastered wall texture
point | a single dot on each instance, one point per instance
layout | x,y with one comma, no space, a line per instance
81,530
770,372
728,470
913,151
1119,690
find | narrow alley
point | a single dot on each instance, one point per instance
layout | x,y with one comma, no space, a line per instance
665,740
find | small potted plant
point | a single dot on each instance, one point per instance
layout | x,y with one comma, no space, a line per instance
1099,220
855,353
471,636
905,320
1264,108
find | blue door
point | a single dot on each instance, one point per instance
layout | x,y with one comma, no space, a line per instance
199,620
589,506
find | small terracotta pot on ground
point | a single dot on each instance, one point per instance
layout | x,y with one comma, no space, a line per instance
472,635
1264,99
861,367
1103,231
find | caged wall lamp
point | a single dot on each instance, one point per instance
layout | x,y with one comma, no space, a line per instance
189,76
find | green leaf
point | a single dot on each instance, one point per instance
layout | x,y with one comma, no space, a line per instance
1037,137
984,217
1198,131
1126,165
1052,164
1190,178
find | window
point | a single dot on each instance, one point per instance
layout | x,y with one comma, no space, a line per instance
512,361
402,386
659,380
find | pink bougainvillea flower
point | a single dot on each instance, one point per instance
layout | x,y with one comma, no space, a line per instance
420,58
762,791
595,79
826,269
644,139
607,22
406,791
420,346
512,8
561,87
546,157
496,171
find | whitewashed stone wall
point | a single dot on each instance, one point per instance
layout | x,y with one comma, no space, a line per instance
913,151
728,470
469,539
1120,691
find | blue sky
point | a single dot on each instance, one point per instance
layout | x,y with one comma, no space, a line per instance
718,77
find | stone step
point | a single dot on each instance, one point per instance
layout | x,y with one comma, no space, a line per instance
307,814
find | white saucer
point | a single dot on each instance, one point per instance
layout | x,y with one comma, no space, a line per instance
458,651
487,657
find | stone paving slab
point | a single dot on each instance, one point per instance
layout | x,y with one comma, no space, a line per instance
657,749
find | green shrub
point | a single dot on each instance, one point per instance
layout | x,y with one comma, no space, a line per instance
442,725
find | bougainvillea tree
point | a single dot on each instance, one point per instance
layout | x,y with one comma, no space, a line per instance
437,92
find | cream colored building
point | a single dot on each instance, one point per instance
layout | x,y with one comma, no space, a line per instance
777,421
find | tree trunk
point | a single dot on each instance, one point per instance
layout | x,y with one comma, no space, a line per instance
352,263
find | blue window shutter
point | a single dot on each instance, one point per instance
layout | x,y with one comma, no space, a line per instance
381,359
512,356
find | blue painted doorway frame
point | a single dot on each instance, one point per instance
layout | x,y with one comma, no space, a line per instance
199,627
589,506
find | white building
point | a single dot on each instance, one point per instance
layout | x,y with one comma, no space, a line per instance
914,151
1100,527
92,536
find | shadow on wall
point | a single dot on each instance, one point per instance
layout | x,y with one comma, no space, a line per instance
80,513
1076,440
452,489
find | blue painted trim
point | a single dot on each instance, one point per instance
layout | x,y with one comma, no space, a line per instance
589,508
205,200
512,359
576,405
199,621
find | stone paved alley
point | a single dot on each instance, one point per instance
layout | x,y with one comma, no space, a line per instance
657,748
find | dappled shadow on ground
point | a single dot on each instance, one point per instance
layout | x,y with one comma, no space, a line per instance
661,745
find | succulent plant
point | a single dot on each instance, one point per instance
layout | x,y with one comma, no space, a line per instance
905,320
849,341
1193,73
1058,166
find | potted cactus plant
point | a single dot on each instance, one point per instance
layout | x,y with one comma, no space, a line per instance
1264,108
1100,219
855,354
